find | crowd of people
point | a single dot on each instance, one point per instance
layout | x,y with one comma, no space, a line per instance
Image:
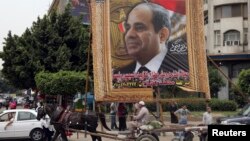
177,115
140,116
12,103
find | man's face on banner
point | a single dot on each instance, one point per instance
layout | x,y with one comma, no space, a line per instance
140,38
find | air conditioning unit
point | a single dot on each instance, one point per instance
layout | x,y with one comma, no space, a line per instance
236,43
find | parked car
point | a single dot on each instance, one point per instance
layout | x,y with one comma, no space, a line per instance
243,117
25,125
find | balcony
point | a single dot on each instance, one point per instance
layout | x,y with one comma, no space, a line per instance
231,43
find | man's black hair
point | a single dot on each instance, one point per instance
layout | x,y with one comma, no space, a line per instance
160,17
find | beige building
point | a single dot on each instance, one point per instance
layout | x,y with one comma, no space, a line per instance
227,36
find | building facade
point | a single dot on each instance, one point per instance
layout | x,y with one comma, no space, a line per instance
79,8
227,37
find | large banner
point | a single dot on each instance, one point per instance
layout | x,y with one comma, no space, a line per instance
141,44
148,43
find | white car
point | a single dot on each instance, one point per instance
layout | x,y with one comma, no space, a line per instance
25,125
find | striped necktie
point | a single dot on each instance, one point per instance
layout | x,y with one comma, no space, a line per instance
143,69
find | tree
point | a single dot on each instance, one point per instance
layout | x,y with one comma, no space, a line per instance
244,81
53,43
62,82
4,86
215,81
241,91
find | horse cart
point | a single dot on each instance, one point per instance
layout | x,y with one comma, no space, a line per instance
87,123
182,133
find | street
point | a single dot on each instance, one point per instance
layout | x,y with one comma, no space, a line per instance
81,136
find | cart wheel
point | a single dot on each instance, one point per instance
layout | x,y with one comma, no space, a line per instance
146,137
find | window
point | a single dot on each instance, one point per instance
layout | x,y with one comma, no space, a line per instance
227,11
205,17
245,10
217,38
236,10
245,39
6,117
217,13
25,116
237,68
232,38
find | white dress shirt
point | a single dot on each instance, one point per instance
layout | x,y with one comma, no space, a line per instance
155,63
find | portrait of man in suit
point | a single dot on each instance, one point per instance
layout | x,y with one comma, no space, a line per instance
146,38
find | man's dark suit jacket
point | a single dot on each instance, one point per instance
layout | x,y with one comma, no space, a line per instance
172,62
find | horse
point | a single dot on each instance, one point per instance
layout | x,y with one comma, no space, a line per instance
62,119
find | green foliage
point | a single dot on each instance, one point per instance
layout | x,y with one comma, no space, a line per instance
244,81
193,104
239,98
215,81
63,82
198,104
223,105
5,87
53,43
15,66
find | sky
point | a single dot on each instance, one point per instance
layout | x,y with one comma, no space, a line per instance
17,15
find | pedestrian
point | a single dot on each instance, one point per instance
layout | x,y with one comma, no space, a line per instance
206,120
172,108
7,103
113,116
12,104
122,115
207,117
39,105
48,129
183,113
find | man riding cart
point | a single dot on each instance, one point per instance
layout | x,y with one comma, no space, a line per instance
141,123
142,117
